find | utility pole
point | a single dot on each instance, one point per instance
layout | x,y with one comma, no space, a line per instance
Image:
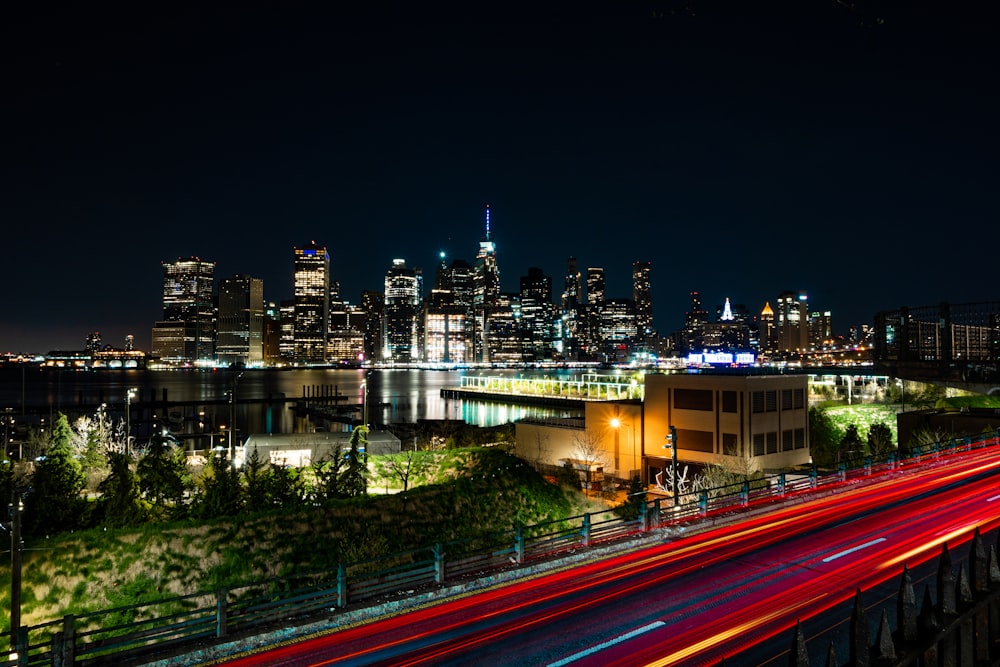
15,510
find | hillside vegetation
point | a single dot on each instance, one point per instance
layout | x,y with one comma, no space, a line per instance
489,490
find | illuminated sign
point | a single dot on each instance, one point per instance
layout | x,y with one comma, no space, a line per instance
721,358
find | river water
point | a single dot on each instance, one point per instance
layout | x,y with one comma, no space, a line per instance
393,396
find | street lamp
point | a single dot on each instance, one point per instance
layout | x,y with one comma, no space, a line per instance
15,511
129,395
671,439
232,415
617,423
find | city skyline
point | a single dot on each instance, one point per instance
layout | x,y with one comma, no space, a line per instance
743,152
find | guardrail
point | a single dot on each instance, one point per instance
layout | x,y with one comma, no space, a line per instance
113,635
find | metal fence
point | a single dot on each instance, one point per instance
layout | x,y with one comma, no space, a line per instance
123,633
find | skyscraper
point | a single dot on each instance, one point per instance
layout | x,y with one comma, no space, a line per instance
537,315
403,286
485,289
187,331
595,286
792,321
642,296
241,321
312,303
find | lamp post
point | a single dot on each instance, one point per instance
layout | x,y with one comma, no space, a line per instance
232,415
617,423
15,510
129,395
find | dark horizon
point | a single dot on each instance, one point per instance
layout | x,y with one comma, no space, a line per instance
847,150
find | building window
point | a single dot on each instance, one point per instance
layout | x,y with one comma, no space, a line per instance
799,399
770,401
757,401
730,445
693,399
800,438
729,401
758,444
772,442
786,399
787,441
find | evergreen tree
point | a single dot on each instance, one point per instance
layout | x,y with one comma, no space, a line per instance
255,477
824,440
54,504
120,503
163,477
355,479
221,493
851,445
285,487
328,473
880,440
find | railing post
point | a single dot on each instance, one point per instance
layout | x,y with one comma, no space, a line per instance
781,485
220,612
341,585
842,471
519,545
22,646
812,477
745,493
643,517
703,502
58,649
438,563
69,639
585,530
655,519
868,466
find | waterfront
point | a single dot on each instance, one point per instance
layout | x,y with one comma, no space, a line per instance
200,400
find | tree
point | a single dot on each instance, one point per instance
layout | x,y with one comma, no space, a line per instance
405,465
54,504
588,447
824,440
255,474
328,473
851,445
221,493
163,476
633,502
285,486
880,440
121,503
355,478
724,475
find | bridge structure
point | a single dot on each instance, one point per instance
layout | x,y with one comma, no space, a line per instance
956,345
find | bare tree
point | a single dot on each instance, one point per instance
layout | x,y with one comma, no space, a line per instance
406,465
589,450
725,473
539,448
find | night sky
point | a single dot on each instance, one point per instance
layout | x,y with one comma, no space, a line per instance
847,149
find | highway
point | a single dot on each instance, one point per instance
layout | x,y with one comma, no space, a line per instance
733,592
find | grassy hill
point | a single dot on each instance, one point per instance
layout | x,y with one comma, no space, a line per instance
488,491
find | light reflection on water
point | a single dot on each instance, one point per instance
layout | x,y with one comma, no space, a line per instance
394,396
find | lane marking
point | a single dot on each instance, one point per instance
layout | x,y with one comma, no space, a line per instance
853,549
611,642
990,500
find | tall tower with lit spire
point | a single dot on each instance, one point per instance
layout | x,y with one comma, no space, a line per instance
485,288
